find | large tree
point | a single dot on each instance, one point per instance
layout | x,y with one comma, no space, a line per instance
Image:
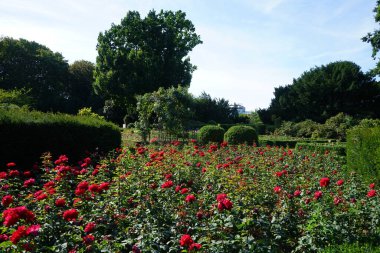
31,66
374,39
139,55
80,87
323,92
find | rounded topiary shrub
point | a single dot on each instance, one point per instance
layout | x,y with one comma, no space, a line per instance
241,134
210,133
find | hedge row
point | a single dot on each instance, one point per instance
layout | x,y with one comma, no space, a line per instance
25,135
338,147
363,151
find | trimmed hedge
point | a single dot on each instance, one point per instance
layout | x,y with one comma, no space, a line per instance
241,134
352,248
363,151
210,133
286,141
338,147
25,135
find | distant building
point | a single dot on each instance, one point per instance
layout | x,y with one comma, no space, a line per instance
241,109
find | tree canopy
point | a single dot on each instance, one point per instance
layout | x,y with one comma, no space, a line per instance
34,67
323,92
139,55
374,39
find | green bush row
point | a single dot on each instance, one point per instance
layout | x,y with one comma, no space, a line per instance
352,248
236,134
25,135
338,147
363,151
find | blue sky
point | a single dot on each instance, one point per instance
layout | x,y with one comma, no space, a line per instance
249,46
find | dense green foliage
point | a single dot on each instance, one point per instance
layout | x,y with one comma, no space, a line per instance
164,109
207,110
25,135
80,87
334,128
18,98
210,133
374,39
363,151
139,55
29,65
241,134
323,92
337,147
352,248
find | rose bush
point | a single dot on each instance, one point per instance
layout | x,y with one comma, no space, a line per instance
187,198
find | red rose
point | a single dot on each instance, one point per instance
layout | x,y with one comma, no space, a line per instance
42,196
190,198
70,215
3,238
3,175
372,186
186,240
104,186
340,182
33,230
221,196
89,227
93,188
14,173
60,202
277,189
18,234
297,193
195,246
88,239
29,182
227,204
167,184
7,200
371,193
324,182
11,164
184,190
318,194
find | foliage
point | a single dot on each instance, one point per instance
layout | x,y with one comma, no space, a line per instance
139,55
324,91
211,133
165,109
241,134
34,67
338,147
87,111
30,133
363,151
351,248
254,119
174,198
15,97
207,109
80,87
374,39
335,127
301,129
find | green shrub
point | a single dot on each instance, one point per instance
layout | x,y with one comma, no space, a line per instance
338,147
352,248
241,134
210,133
25,135
363,151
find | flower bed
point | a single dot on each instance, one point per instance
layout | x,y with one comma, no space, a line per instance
182,198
